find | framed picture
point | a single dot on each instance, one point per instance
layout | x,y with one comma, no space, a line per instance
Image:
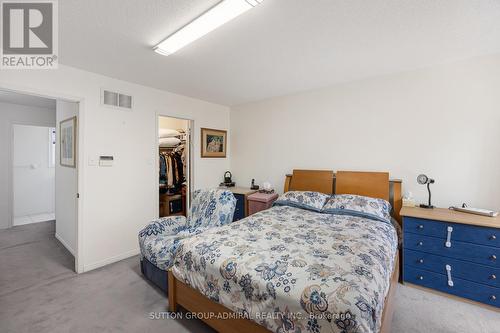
67,143
213,143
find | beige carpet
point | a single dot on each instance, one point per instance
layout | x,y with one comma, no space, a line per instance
418,311
40,293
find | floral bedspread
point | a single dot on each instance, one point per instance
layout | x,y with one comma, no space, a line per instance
295,270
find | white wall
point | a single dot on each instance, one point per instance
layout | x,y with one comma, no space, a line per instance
19,114
66,184
117,202
442,121
33,173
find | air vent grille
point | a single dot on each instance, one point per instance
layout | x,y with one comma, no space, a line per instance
125,101
116,99
110,98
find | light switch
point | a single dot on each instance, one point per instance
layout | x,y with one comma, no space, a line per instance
106,161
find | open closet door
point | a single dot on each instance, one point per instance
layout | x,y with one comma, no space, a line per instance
189,164
66,174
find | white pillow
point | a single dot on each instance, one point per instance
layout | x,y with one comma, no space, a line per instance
168,133
169,142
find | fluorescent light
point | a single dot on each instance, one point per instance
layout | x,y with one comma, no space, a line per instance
221,13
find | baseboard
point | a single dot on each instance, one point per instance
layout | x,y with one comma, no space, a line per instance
111,260
63,242
33,218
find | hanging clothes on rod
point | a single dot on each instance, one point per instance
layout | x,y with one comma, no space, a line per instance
182,151
171,170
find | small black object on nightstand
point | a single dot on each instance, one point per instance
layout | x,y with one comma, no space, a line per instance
424,180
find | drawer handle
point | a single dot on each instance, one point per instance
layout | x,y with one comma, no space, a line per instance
448,237
493,257
420,261
493,237
493,277
421,277
448,272
493,297
420,226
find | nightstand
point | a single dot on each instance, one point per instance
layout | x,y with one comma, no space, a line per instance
260,201
452,252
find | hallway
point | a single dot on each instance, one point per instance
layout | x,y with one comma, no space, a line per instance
30,255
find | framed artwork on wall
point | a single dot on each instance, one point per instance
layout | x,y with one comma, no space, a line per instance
213,143
67,142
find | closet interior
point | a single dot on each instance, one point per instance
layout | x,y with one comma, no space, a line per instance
173,166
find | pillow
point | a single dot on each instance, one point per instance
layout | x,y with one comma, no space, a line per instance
169,142
303,199
168,133
358,205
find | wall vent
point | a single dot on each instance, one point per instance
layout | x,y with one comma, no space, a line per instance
116,99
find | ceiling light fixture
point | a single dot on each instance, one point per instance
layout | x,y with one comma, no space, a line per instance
221,13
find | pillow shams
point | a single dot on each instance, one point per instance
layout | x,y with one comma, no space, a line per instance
358,205
303,199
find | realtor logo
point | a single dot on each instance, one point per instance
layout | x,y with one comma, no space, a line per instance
29,34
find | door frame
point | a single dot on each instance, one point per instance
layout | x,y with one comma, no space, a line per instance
190,167
80,128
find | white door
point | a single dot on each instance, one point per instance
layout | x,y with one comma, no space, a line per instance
33,174
66,184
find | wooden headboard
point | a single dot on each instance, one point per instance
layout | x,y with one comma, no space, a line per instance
311,180
370,184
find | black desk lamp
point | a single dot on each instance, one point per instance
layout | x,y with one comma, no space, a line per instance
423,180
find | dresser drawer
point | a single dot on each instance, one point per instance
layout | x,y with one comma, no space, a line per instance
459,269
463,288
480,254
461,232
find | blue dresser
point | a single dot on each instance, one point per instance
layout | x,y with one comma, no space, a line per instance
452,252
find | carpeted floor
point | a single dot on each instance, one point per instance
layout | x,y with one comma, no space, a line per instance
39,292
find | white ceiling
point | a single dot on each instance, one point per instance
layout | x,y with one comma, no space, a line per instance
28,100
277,48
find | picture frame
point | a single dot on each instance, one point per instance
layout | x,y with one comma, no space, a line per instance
67,142
213,143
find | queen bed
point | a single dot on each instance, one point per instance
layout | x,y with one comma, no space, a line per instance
303,265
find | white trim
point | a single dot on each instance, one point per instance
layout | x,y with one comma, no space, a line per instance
111,260
52,147
63,242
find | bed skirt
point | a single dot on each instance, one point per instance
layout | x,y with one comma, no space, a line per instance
154,274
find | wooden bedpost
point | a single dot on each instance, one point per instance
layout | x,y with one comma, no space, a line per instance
172,301
288,178
397,198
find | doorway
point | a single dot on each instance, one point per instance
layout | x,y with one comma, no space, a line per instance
174,154
42,185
